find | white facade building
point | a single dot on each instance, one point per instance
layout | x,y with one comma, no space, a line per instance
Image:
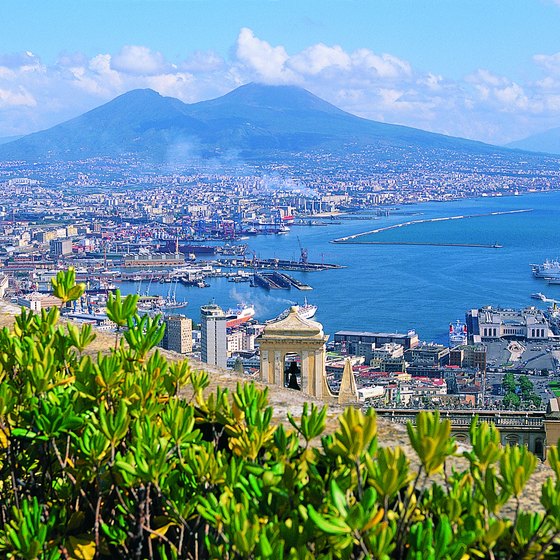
213,340
490,324
3,284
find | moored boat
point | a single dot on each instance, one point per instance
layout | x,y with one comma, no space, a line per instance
239,315
548,269
305,311
457,333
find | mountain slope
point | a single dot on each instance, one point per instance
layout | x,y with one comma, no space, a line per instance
255,121
548,142
6,139
141,122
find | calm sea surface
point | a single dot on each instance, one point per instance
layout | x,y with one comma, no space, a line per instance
395,287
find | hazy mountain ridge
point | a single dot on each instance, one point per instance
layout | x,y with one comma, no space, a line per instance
255,121
544,142
6,139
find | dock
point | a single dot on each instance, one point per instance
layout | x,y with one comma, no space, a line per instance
267,281
291,281
421,243
277,264
354,238
278,281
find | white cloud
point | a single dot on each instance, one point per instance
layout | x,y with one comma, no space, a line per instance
317,58
19,98
379,86
549,63
265,62
382,66
138,61
19,60
172,85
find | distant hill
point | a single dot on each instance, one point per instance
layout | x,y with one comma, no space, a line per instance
253,121
547,142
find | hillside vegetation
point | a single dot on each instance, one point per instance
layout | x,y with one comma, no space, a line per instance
101,458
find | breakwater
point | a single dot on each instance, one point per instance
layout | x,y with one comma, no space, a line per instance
354,238
427,243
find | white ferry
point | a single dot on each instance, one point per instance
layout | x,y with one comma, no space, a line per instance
548,269
305,311
457,333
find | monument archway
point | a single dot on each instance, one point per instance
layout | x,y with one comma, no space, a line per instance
305,338
292,371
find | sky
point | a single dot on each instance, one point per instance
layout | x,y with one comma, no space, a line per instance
486,70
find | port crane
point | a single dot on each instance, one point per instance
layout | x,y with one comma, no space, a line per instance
302,252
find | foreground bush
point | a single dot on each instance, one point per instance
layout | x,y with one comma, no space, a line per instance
101,458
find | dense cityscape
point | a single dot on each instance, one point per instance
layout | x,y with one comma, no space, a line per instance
117,223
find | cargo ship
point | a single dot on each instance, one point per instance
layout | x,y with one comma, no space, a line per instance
190,248
239,315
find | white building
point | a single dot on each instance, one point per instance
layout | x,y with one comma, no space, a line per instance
375,392
3,284
37,301
240,340
490,324
213,340
387,351
61,247
419,388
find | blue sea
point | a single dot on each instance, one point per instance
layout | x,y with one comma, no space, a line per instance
395,288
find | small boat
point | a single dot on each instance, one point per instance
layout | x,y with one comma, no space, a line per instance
538,295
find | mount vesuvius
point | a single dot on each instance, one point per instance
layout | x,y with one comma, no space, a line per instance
253,122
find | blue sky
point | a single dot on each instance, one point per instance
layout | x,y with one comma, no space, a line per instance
484,70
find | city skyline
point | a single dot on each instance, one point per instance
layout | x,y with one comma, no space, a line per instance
469,69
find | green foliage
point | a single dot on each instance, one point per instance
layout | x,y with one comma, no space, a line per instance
508,383
101,458
65,287
120,310
519,391
511,400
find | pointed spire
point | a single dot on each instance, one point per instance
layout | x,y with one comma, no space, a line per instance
348,392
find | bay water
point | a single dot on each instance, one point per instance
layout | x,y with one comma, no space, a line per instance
395,288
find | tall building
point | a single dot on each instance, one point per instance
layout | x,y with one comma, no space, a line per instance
61,247
213,335
3,284
178,334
